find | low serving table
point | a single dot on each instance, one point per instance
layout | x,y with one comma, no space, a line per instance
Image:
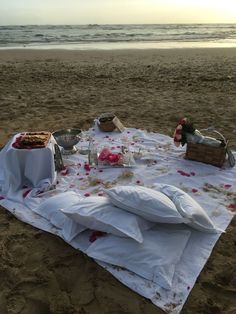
27,167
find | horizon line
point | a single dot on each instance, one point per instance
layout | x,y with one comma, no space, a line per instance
98,24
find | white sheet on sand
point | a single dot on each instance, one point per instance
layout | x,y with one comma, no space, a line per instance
211,187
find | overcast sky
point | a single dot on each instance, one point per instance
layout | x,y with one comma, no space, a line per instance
116,11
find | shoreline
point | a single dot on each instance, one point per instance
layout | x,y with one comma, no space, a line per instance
108,46
70,55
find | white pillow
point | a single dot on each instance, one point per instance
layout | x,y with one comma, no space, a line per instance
188,208
147,203
154,259
50,209
71,229
98,213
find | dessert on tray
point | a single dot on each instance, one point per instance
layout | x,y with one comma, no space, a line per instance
31,140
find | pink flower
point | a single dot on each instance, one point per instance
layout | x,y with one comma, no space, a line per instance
178,132
138,181
87,194
232,206
194,190
104,154
114,158
227,186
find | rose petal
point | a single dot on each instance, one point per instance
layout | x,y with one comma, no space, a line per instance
26,193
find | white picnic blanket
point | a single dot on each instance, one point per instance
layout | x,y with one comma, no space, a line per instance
213,188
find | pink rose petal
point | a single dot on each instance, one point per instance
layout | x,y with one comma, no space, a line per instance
65,171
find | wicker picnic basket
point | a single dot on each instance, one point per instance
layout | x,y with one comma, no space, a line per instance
105,122
215,156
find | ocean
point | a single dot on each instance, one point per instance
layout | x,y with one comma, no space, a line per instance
138,36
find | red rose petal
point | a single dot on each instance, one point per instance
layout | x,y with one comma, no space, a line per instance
26,193
87,167
96,234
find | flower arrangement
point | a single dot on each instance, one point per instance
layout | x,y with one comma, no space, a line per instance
107,157
183,127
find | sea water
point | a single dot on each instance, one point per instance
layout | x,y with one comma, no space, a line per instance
136,36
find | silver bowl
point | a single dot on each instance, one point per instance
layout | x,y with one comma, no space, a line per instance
67,138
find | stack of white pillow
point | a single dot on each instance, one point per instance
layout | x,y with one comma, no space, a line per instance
145,232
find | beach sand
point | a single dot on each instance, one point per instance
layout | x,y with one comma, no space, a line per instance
148,89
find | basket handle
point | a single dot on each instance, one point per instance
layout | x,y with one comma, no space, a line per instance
212,129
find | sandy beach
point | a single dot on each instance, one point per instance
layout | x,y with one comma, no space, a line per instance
148,89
